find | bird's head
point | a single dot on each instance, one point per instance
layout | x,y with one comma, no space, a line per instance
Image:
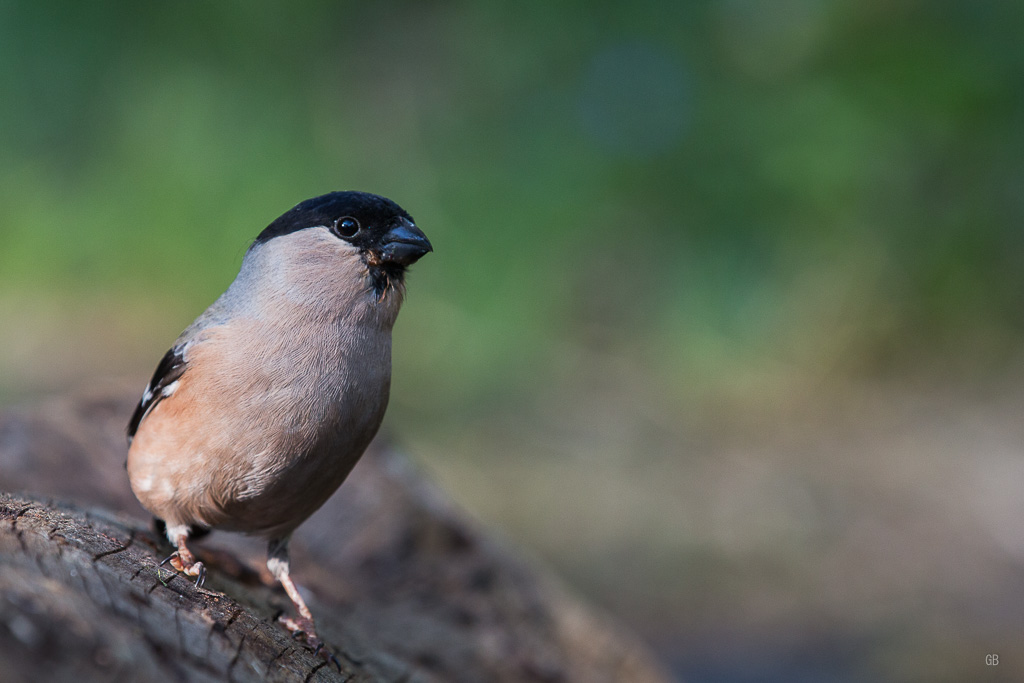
375,229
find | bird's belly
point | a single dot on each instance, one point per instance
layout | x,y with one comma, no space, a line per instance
198,461
272,501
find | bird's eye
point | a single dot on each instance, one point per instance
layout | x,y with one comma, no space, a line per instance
346,226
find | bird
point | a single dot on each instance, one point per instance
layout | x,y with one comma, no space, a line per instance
263,405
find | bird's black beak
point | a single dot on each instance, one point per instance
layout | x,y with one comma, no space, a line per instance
404,244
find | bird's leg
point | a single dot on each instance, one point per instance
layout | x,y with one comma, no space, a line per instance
182,559
302,627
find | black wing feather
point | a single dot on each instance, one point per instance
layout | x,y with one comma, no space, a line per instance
170,369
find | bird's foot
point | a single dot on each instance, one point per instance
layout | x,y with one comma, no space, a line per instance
186,563
302,628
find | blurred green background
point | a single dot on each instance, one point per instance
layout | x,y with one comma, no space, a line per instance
726,308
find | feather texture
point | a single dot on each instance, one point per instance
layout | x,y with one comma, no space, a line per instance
163,384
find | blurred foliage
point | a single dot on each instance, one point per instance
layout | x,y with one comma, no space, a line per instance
713,188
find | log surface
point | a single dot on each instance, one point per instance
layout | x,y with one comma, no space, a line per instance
403,585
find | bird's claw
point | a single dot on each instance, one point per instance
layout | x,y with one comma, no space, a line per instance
302,629
192,568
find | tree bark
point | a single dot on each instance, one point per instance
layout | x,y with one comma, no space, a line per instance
404,587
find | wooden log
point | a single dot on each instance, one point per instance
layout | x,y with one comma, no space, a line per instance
404,586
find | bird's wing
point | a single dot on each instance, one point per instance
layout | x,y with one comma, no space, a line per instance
163,384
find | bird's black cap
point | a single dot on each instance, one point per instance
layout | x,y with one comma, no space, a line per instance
376,216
